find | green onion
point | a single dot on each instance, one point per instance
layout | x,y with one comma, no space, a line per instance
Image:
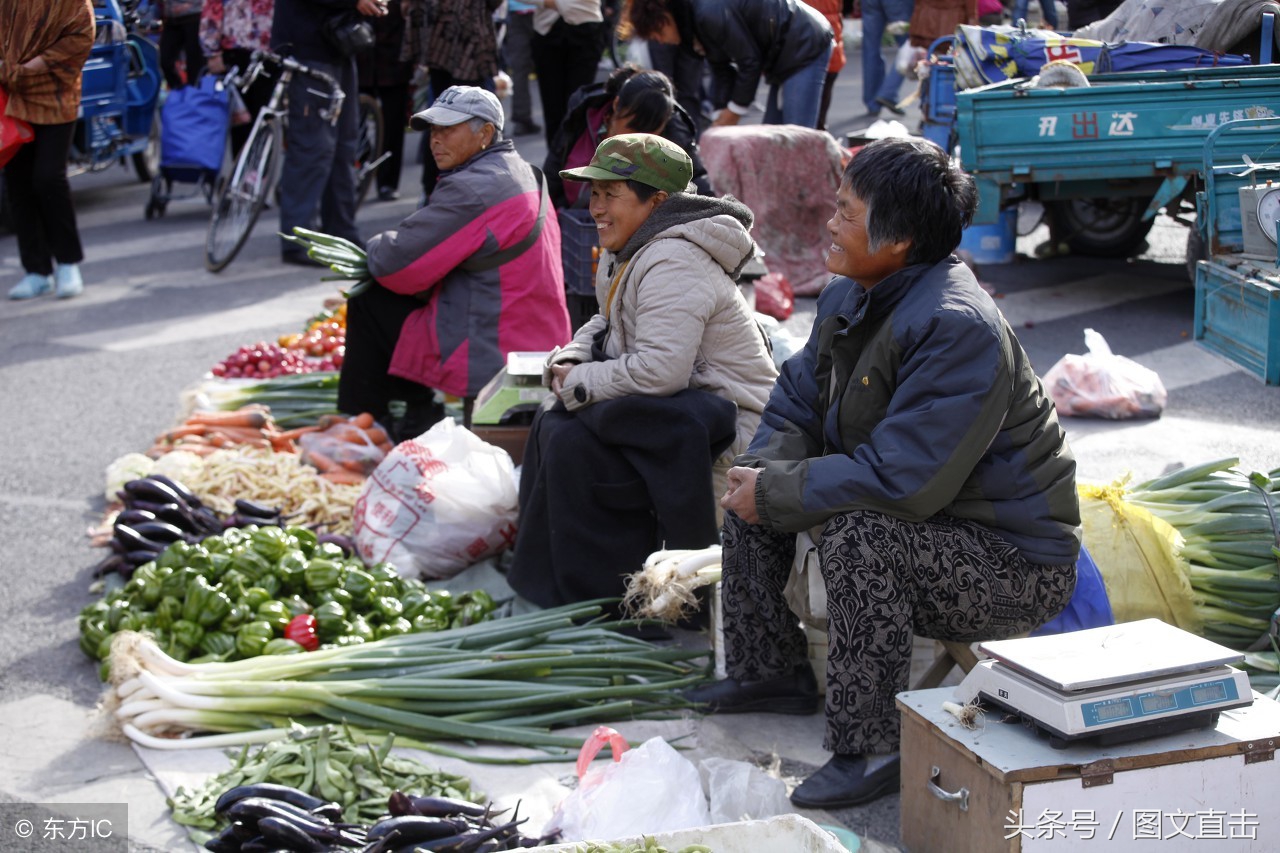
464,684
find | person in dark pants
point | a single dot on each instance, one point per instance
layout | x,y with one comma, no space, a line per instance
913,443
684,69
318,181
43,49
461,282
568,41
517,47
180,36
386,72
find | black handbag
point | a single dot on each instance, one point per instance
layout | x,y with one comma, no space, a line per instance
348,33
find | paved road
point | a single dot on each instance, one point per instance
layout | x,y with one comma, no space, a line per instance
84,381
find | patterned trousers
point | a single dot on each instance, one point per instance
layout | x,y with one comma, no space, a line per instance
886,580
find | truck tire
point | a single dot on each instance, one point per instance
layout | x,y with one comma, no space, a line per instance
1195,251
1101,227
146,163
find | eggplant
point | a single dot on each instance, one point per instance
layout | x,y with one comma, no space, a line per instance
132,540
464,842
161,531
224,842
148,489
416,828
113,562
328,811
133,515
254,810
182,491
137,558
270,791
448,807
258,844
289,835
257,510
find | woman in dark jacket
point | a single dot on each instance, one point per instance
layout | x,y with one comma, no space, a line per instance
630,101
784,41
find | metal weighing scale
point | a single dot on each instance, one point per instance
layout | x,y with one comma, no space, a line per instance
512,396
1110,685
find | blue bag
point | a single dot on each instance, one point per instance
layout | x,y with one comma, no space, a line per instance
1089,606
194,123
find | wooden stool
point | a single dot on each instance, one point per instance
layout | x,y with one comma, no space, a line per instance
951,654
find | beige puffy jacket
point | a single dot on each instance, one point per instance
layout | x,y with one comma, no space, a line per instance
676,318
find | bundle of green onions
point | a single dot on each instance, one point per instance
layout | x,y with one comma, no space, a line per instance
295,399
506,681
1228,521
348,261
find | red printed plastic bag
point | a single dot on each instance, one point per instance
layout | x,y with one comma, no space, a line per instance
14,132
643,791
437,503
774,296
1101,384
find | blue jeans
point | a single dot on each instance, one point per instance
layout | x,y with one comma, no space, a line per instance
318,182
1048,11
877,81
798,99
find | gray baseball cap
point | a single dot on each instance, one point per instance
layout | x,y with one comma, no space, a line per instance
457,104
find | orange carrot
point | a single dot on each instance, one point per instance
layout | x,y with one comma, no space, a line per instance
320,461
327,421
344,477
298,432
364,420
186,429
241,418
377,435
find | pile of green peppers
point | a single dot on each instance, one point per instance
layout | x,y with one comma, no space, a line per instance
240,594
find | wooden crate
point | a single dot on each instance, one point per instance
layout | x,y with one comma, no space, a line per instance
1238,313
1001,788
509,438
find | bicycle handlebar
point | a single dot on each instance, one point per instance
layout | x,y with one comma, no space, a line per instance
335,94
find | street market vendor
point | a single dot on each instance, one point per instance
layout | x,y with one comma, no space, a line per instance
472,276
666,383
913,441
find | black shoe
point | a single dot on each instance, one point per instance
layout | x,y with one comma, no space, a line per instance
388,194
300,259
891,106
525,128
843,782
796,693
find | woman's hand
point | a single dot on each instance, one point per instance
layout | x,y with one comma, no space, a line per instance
371,8
559,373
727,118
741,494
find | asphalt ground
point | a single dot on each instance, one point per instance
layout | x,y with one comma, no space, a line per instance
86,380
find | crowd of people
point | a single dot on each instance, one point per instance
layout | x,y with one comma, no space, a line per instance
910,439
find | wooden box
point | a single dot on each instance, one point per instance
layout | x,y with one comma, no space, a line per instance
1000,787
509,438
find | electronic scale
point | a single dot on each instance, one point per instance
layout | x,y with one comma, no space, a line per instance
512,396
1110,685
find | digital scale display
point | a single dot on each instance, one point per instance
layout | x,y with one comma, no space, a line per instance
1156,703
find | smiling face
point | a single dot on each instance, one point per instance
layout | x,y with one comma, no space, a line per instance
850,254
456,144
619,212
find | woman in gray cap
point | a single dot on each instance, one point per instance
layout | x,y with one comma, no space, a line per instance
462,282
655,394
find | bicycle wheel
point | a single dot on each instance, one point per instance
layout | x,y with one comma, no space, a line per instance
368,145
236,208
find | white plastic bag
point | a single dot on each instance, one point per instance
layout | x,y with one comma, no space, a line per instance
739,790
437,503
646,790
1101,384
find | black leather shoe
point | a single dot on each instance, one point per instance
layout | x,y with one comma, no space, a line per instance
300,259
843,782
891,106
796,693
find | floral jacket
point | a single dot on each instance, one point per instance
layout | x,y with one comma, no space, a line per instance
227,24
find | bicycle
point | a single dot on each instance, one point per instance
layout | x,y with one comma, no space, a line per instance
241,197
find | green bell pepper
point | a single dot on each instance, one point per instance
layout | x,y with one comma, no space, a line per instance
323,574
330,620
254,597
176,582
388,608
270,542
328,551
146,582
92,632
291,570
168,611
359,583
338,594
217,643
282,646
205,604
252,637
116,612
249,561
360,627
187,633
394,627
384,572
297,605
275,614
236,616
174,556
414,600
431,618
302,539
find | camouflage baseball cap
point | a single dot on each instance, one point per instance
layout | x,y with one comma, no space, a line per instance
641,157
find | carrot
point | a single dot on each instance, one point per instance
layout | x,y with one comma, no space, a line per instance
246,434
298,432
240,418
376,434
327,421
283,445
344,478
357,465
320,461
347,432
186,429
364,420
